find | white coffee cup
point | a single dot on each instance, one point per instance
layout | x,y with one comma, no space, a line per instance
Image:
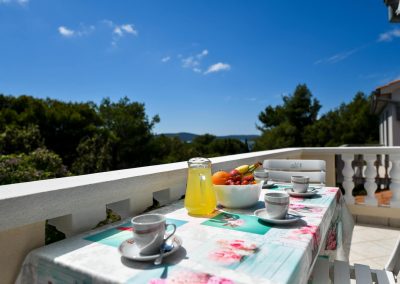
276,204
300,183
261,175
149,232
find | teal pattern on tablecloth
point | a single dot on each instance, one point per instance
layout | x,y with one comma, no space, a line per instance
238,222
115,236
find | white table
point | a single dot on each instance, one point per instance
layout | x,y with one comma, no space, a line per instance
232,247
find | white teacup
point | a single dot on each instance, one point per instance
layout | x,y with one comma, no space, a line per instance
276,204
300,183
149,232
261,175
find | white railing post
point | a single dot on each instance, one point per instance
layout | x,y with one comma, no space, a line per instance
348,174
370,175
395,180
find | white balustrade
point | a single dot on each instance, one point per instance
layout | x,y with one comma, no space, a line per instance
395,180
370,175
348,174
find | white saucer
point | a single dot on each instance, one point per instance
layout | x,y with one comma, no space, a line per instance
262,214
129,249
310,192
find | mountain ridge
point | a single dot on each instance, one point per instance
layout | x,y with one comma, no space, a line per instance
187,136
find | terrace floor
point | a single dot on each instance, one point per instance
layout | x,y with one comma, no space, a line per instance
372,245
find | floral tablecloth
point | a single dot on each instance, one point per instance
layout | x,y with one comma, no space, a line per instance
232,246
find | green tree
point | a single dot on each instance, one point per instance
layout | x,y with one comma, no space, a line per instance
129,124
37,165
95,153
61,125
227,146
171,149
17,139
208,145
66,124
284,125
351,123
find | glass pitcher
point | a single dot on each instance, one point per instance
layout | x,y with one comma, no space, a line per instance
200,196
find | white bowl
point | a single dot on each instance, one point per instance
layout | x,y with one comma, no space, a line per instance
260,173
238,196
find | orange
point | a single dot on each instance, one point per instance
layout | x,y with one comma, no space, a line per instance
220,177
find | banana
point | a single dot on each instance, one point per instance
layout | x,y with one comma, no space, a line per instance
254,166
242,169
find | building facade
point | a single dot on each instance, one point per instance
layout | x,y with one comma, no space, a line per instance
386,104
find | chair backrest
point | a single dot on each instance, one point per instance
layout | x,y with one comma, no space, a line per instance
393,265
281,170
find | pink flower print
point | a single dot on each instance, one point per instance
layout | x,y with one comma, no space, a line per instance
218,280
331,239
158,281
331,242
296,206
316,209
331,190
182,276
225,256
309,229
237,244
304,231
185,276
296,199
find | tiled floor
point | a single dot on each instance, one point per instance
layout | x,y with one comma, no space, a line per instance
372,245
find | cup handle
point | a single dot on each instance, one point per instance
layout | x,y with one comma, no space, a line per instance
173,232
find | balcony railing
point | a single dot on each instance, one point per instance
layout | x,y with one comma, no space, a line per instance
76,204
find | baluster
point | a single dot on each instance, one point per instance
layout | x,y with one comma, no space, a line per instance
378,168
395,180
348,173
388,168
370,175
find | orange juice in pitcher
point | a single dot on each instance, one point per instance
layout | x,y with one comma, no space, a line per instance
200,197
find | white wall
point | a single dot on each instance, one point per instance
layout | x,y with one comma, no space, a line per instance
396,121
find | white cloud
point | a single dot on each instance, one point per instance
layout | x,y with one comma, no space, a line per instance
217,67
165,59
202,54
65,32
121,30
128,28
389,35
338,57
82,31
193,61
118,31
190,62
108,23
19,2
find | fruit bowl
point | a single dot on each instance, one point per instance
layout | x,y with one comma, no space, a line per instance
238,196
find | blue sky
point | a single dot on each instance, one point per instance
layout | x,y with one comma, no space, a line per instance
207,66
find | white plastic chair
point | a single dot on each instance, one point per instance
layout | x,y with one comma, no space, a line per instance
341,272
281,170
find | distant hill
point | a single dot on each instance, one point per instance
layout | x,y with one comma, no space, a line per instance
187,137
183,136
